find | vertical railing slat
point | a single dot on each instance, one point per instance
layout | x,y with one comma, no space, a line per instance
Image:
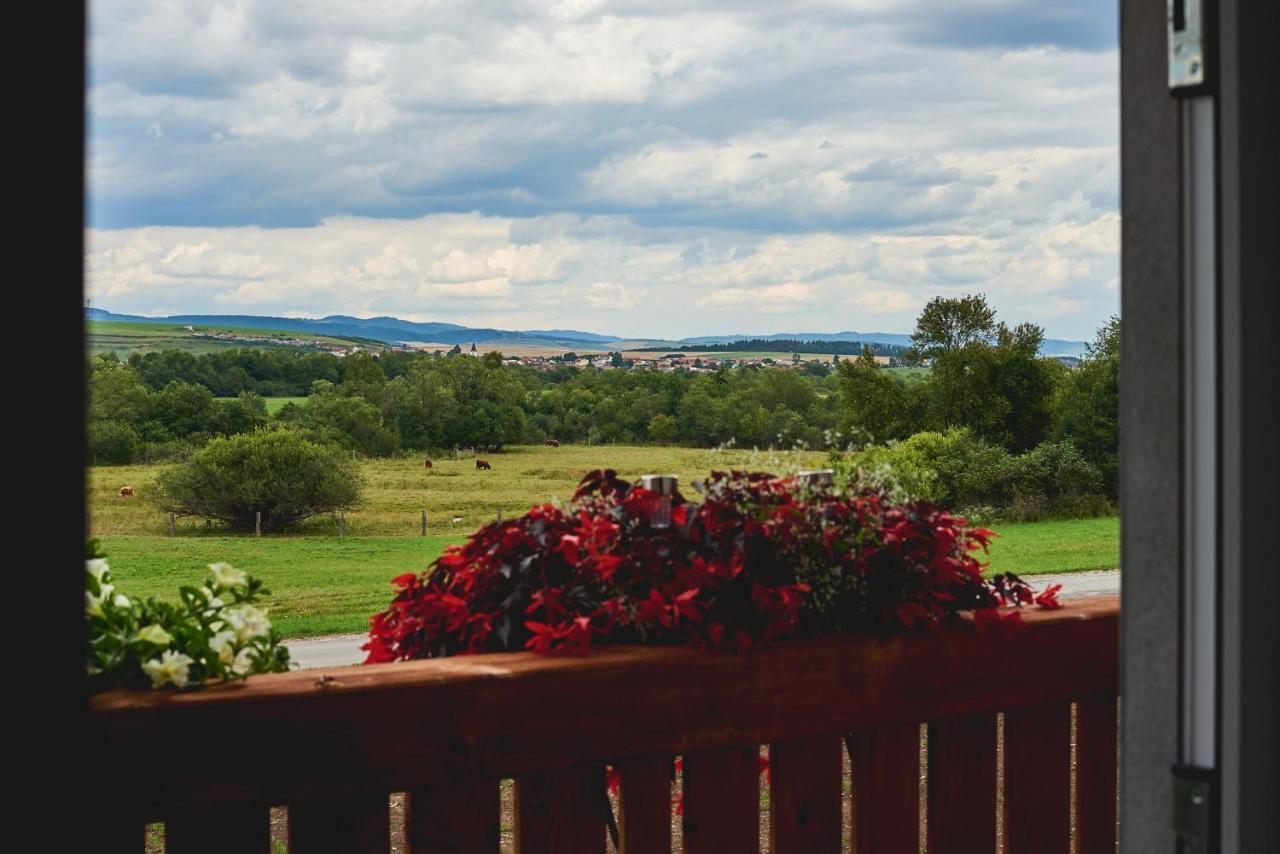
453,818
1096,774
962,785
561,811
804,794
722,800
1037,779
356,824
644,806
245,829
886,789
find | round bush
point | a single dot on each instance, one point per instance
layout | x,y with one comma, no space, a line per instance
279,473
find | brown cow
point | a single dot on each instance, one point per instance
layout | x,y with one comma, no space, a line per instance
428,463
126,492
552,443
481,464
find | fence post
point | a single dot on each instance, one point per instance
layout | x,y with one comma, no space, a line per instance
424,523
342,524
257,523
499,514
173,527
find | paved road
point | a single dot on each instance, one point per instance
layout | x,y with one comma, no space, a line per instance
339,650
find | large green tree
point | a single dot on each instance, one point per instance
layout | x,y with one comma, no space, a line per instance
952,323
1087,407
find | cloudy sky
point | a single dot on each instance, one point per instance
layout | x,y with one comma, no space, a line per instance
640,167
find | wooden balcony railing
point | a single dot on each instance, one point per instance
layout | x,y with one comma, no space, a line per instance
332,744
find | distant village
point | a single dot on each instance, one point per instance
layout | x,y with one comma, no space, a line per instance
673,361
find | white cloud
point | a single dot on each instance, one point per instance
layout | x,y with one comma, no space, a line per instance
606,274
542,164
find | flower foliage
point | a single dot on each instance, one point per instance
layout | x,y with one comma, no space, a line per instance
216,631
761,557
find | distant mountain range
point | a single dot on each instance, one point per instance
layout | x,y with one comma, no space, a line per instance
1051,346
394,330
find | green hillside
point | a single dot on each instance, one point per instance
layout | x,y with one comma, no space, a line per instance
124,337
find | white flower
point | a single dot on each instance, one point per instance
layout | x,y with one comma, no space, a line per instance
97,568
223,643
213,600
93,604
225,575
121,601
243,662
154,634
248,622
171,667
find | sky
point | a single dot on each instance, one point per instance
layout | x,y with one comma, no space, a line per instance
643,168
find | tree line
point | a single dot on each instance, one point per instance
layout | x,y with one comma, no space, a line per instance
986,379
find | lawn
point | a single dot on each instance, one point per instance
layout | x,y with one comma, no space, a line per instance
324,585
319,585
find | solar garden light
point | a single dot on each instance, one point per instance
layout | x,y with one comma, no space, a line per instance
665,486
817,478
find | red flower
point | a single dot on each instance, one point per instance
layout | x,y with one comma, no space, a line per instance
1048,598
731,571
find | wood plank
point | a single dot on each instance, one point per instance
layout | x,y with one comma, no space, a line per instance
804,795
350,825
453,818
886,789
1096,746
1037,779
722,800
644,806
962,785
245,829
317,737
561,811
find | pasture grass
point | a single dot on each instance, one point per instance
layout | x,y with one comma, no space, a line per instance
275,404
398,490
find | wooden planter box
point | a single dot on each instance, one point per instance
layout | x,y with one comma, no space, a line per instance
331,744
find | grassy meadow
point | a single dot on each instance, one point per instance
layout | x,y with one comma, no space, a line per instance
322,584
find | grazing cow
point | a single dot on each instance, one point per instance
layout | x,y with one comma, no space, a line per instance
126,492
482,464
552,443
428,463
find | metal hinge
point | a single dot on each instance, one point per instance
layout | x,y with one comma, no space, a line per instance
1193,809
1186,44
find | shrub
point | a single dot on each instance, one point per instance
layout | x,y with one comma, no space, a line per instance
948,469
761,558
1051,477
279,473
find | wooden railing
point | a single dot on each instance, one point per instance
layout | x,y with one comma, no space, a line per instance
332,744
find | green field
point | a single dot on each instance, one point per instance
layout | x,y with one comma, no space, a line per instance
323,585
275,404
124,337
397,491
